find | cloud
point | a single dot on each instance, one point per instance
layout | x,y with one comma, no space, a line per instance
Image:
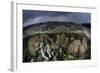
45,19
61,18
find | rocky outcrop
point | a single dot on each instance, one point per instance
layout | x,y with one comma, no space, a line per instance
78,48
73,48
60,41
83,48
57,46
33,45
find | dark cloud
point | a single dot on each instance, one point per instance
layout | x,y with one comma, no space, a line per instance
32,17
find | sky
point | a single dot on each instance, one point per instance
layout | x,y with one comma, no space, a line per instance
33,17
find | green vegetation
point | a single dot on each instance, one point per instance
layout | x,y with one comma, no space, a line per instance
70,57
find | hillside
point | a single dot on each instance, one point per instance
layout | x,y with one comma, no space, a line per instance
54,41
54,27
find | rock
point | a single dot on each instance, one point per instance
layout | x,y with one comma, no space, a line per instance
74,47
83,48
53,45
65,43
78,48
33,45
58,40
84,42
61,39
